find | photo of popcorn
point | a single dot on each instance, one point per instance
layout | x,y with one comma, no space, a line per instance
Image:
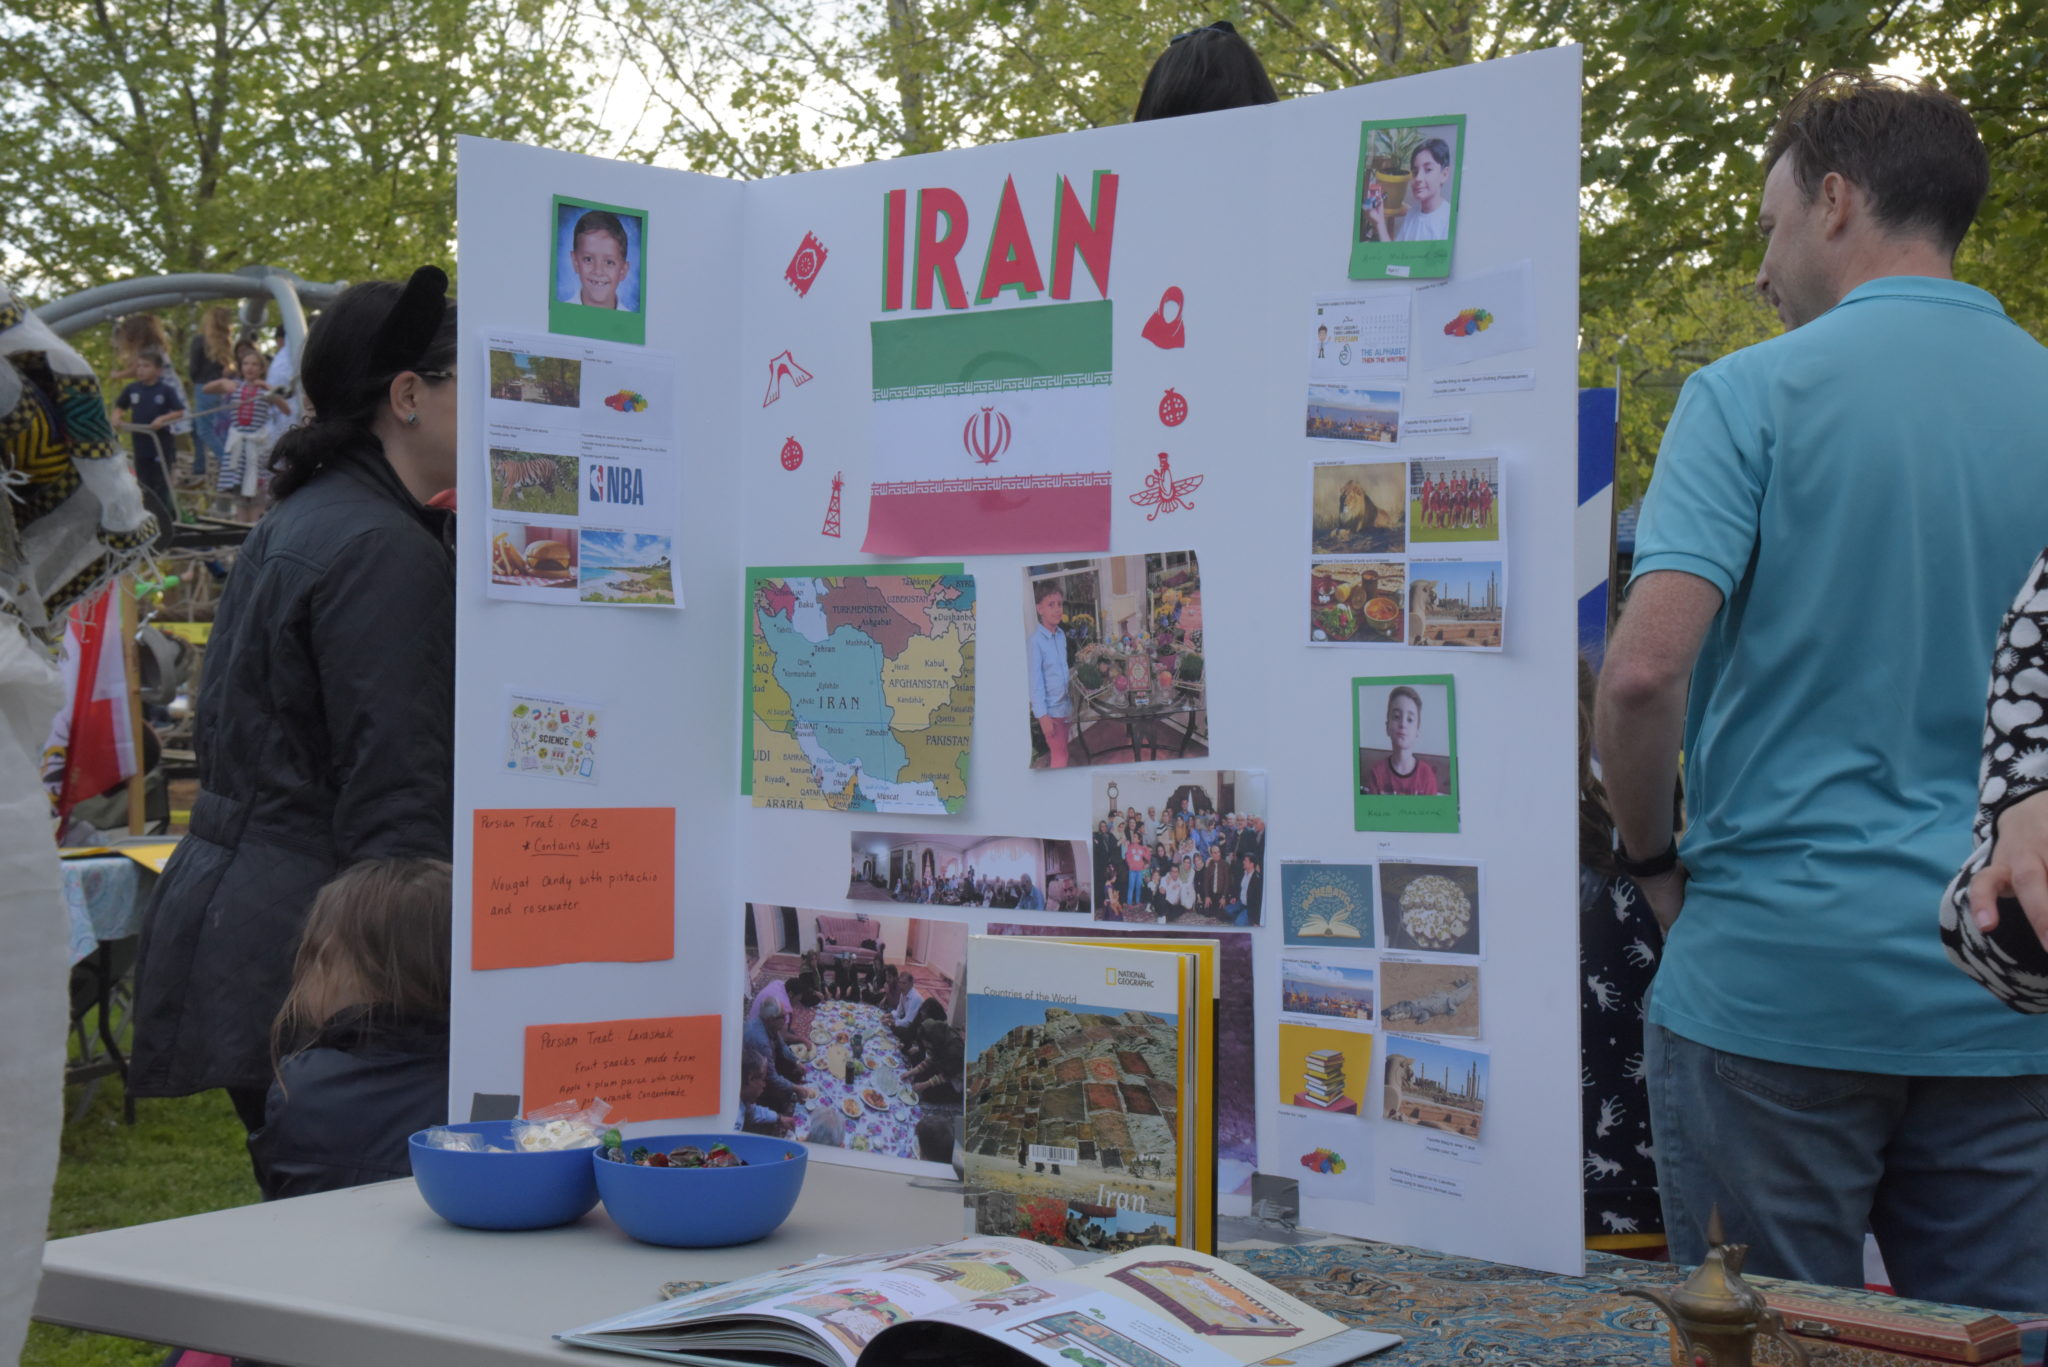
1432,907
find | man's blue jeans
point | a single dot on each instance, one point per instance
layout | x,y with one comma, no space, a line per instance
1950,1173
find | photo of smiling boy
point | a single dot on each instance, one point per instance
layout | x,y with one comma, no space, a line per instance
598,256
598,271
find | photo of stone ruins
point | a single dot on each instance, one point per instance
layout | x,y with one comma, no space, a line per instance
1096,1094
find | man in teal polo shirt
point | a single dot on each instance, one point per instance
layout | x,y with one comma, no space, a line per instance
1834,530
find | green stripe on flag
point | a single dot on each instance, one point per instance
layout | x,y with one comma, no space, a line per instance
987,349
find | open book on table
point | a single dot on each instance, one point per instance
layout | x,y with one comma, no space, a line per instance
991,1300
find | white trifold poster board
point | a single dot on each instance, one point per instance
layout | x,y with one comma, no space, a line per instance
1301,471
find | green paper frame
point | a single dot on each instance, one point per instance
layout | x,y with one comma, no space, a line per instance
581,320
1404,260
1385,812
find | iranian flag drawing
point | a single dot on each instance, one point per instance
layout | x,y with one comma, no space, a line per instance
992,426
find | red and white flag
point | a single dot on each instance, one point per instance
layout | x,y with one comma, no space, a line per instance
92,745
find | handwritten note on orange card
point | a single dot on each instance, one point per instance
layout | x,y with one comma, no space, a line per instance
573,885
660,1068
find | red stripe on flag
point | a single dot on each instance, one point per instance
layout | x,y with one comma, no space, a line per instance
93,759
989,522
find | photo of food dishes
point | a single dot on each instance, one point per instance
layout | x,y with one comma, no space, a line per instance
532,557
1431,907
1356,602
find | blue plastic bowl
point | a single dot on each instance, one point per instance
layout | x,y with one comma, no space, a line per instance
704,1207
503,1190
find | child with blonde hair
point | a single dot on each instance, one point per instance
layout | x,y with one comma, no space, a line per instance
362,1040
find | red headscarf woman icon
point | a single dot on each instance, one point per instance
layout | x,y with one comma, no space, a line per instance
1162,332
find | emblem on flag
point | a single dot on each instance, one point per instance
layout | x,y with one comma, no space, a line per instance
986,436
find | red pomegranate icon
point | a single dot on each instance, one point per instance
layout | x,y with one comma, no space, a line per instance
792,454
1173,409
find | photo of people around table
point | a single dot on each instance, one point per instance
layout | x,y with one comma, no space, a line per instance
1181,847
1114,654
854,1033
1009,873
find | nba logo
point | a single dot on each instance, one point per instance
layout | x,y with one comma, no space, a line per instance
596,482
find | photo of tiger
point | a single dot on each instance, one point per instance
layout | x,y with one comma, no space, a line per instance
525,483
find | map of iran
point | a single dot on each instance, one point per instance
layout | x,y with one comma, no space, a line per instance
860,683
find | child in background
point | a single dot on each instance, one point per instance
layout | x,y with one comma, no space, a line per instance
363,1036
248,442
149,405
597,254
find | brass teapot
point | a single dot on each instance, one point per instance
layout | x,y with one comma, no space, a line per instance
1717,1314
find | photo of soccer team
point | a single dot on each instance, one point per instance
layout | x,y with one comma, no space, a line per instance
1454,499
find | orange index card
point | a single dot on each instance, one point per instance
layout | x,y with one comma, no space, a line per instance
571,885
658,1068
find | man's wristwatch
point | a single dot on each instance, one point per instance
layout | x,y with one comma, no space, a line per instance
1654,867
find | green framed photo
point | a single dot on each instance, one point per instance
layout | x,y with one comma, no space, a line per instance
1404,209
1405,734
597,271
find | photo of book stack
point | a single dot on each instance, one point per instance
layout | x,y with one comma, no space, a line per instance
1322,1078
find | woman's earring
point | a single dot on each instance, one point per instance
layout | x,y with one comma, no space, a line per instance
412,420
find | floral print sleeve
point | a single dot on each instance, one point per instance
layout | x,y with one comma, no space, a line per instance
2009,959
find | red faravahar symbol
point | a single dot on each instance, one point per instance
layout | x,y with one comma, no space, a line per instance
792,454
986,436
1173,409
804,266
1163,493
780,368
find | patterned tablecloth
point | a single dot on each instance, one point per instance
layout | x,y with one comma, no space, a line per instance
892,1130
1461,1312
104,897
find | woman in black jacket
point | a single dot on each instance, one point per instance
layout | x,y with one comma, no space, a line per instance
328,701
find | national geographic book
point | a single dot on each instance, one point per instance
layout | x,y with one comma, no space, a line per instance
1090,1111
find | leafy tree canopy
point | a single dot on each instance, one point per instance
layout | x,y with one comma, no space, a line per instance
207,134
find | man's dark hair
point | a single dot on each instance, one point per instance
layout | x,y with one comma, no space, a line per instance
1438,149
1912,148
1204,70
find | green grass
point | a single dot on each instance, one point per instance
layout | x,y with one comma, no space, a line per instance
181,1157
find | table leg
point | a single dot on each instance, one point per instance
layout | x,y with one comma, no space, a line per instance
107,1040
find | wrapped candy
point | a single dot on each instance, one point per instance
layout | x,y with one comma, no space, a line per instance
564,1125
